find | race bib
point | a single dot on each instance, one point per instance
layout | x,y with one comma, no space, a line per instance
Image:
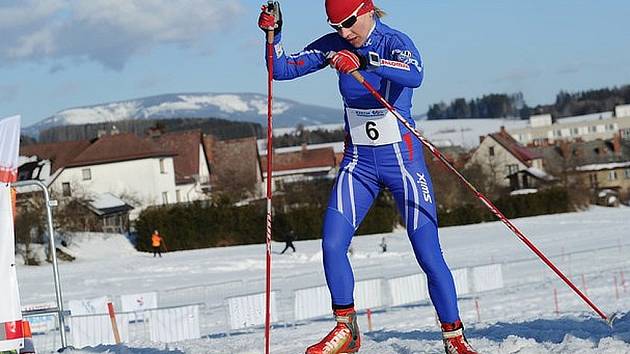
373,126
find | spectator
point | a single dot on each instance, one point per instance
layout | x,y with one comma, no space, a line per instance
157,242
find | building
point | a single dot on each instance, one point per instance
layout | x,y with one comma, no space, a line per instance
235,166
542,130
302,165
136,170
508,162
190,163
601,165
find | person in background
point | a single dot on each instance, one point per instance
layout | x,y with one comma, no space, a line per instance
379,152
383,245
156,243
288,242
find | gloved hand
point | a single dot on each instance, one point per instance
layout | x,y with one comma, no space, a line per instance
346,61
270,18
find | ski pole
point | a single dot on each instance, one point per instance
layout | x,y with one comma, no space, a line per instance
270,37
479,195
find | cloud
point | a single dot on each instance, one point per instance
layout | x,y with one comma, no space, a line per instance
109,32
9,93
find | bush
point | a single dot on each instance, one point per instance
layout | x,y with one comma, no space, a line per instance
549,201
202,225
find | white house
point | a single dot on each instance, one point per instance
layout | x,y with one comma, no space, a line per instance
192,172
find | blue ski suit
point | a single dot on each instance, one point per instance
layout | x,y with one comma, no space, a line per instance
379,152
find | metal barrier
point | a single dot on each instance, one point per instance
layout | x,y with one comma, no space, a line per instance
53,252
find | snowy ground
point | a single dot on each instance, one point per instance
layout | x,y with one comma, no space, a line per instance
591,247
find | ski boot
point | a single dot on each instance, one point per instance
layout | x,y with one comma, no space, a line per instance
344,338
454,340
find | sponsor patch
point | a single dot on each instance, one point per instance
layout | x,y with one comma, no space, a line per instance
395,64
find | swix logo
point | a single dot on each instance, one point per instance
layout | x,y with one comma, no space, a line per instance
422,181
336,342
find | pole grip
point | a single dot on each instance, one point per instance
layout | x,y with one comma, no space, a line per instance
357,76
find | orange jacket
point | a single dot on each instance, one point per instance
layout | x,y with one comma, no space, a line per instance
156,240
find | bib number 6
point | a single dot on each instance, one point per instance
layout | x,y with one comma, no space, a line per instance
371,131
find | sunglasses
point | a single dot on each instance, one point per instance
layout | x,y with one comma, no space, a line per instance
348,22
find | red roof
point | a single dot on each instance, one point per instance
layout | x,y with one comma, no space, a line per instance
186,145
297,160
116,148
60,154
519,151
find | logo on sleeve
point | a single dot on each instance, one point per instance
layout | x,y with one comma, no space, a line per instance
406,56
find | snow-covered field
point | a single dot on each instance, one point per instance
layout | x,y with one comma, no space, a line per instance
592,248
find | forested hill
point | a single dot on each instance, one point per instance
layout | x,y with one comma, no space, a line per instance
514,105
220,128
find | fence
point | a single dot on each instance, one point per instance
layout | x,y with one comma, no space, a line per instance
231,306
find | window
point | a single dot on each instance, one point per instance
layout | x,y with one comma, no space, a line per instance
627,173
162,166
87,174
612,175
164,197
557,133
178,196
491,151
592,129
574,131
593,179
65,187
511,169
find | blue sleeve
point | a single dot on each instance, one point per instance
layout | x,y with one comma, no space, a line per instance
310,59
402,63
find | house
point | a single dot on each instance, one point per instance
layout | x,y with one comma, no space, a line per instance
301,165
235,166
134,169
543,130
508,162
192,171
601,165
111,213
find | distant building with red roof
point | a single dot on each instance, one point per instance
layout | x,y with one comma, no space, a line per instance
301,164
508,162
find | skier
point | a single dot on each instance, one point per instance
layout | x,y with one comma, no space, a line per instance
379,152
383,245
288,242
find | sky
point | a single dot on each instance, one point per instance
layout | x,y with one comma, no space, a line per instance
59,54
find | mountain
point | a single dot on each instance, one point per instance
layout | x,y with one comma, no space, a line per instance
250,107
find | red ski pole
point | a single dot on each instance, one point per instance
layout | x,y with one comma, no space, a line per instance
270,36
479,195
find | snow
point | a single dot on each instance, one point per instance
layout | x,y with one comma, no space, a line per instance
524,191
106,200
603,166
591,247
587,117
105,113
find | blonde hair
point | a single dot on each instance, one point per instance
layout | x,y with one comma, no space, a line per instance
378,12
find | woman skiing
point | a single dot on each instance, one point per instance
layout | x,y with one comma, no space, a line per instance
379,152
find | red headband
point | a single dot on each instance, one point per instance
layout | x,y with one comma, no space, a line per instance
339,10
